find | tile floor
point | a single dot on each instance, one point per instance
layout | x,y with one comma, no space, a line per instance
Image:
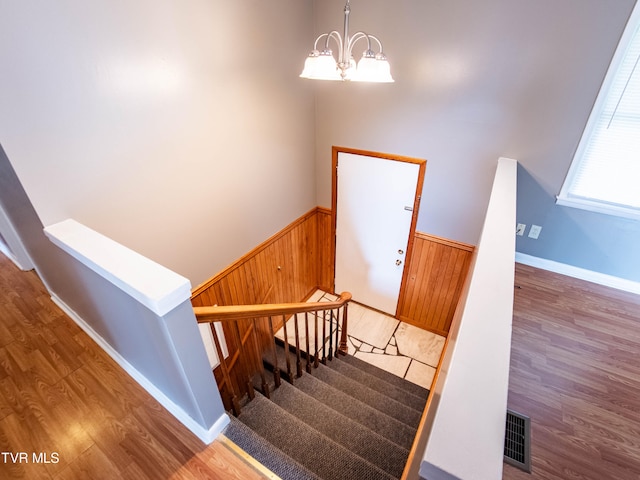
399,348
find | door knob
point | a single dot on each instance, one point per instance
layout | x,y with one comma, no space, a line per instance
400,252
398,262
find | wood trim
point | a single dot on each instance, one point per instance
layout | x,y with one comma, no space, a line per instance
412,232
326,244
412,467
243,458
239,312
335,150
334,207
445,241
386,156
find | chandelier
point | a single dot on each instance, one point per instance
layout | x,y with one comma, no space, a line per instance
322,65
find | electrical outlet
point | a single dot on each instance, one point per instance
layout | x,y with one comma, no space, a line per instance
534,232
520,229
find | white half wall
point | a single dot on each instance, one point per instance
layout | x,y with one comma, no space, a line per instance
140,313
467,428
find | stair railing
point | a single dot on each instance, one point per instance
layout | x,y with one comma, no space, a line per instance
250,334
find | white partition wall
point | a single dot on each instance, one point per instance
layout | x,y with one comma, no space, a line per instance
140,313
467,425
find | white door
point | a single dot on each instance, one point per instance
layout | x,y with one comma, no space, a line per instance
374,213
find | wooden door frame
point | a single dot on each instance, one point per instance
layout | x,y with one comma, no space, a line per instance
422,164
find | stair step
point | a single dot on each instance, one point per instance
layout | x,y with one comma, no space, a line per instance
312,449
354,390
376,382
406,385
267,454
355,437
373,392
371,397
399,433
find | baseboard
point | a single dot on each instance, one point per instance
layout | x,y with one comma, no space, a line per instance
579,273
207,436
11,244
7,253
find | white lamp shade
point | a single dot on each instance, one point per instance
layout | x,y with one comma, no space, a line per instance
373,68
321,66
309,66
367,70
384,71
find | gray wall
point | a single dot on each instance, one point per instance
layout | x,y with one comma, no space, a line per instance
50,261
593,241
157,123
166,350
476,81
179,129
160,348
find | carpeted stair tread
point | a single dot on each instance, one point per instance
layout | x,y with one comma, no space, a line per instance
371,397
355,437
379,384
368,395
306,445
406,385
388,427
264,452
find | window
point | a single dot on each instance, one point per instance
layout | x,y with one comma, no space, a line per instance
605,171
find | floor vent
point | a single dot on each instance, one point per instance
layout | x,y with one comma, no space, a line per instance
517,441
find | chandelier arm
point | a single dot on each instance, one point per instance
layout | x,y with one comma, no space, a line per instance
315,44
356,36
336,36
369,37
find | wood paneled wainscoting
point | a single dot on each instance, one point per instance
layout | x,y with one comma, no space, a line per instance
286,268
437,271
292,264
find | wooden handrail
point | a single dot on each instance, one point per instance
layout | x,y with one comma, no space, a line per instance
239,312
239,372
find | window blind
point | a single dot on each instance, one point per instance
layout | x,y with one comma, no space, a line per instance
605,173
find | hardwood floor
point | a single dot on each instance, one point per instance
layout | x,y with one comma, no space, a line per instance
67,411
575,370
